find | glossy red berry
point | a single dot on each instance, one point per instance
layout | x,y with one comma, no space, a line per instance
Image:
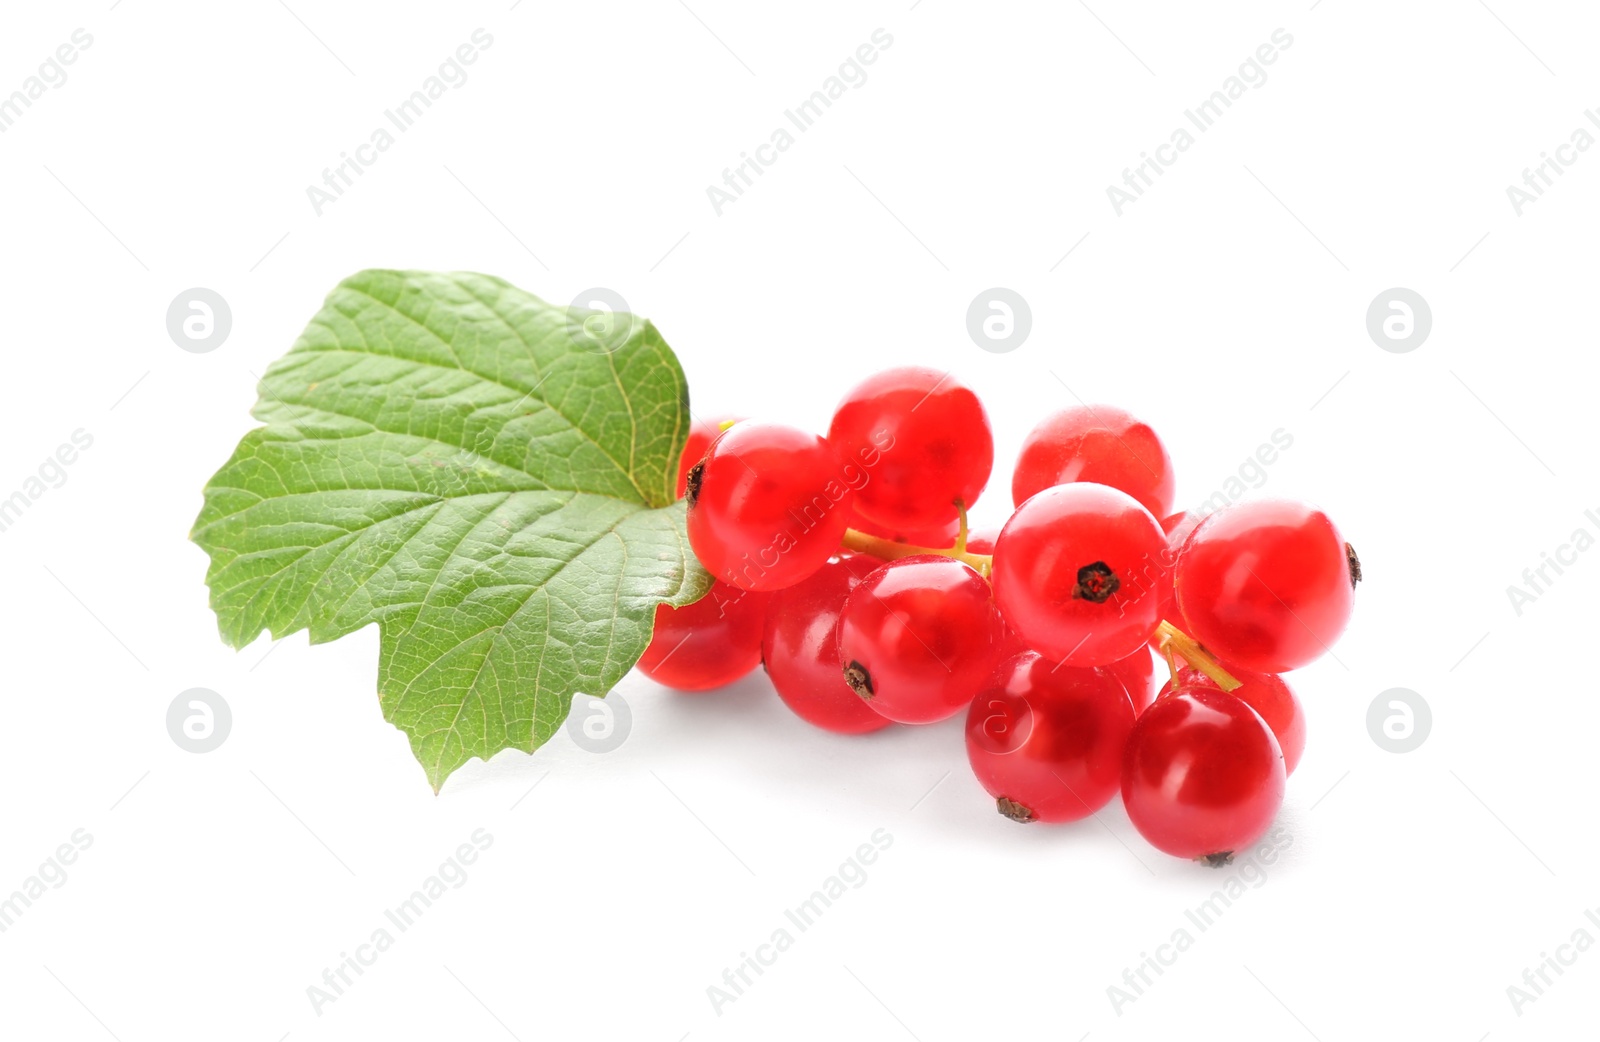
941,537
801,648
712,642
923,441
981,540
1269,695
1267,584
701,434
919,637
767,505
1137,673
1177,527
1202,775
1046,740
1098,443
1071,573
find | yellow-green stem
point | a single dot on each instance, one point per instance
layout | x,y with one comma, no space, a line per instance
1172,662
1175,641
889,550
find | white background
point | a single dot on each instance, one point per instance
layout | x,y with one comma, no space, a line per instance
1227,303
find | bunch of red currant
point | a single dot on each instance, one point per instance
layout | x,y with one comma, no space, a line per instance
844,565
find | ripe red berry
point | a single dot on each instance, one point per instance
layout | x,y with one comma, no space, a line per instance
712,642
1269,695
1073,573
701,434
924,442
1202,775
801,648
767,505
919,637
1177,527
1267,584
938,538
1137,673
1046,740
981,540
1098,443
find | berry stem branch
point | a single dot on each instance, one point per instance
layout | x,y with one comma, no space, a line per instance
1175,641
1171,660
889,550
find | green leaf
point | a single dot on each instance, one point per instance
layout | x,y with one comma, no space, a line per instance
444,457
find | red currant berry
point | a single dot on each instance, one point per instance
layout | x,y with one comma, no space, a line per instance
801,648
712,642
1098,443
1177,526
1202,775
940,538
1046,740
701,434
767,505
923,440
1010,643
1267,585
1071,573
1269,695
919,637
1137,673
981,540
